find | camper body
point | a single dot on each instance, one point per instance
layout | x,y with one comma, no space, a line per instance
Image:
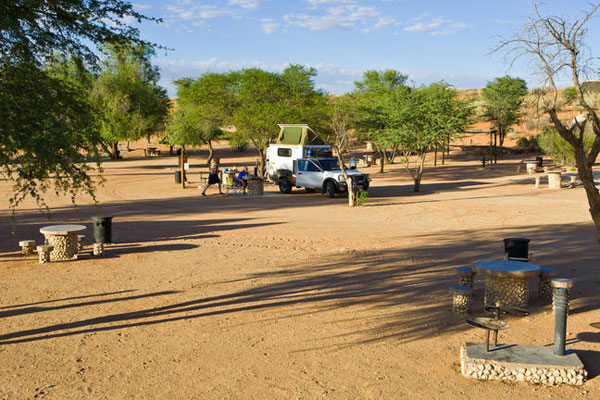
310,166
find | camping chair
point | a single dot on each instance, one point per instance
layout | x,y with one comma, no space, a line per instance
232,187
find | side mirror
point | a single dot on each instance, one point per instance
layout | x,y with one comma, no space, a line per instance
352,163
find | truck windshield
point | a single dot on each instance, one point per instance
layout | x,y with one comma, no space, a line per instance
329,164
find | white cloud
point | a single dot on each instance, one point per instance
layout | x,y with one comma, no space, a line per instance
319,2
247,4
343,16
435,26
269,25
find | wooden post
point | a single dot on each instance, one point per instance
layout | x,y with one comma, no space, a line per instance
181,167
491,154
495,148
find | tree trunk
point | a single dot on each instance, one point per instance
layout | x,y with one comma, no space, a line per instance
114,155
587,178
502,135
584,162
419,173
495,148
170,149
491,149
435,156
261,161
393,154
381,164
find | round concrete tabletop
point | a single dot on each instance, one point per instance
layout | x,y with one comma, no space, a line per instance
507,268
62,229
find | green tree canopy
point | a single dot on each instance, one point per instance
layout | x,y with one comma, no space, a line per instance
127,97
47,125
264,99
503,101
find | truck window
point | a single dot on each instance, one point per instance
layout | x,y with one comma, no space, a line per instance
284,152
307,166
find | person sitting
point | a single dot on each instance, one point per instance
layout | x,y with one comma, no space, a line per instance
242,179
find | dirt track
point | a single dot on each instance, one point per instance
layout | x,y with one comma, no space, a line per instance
285,296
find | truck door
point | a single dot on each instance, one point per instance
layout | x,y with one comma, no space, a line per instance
308,174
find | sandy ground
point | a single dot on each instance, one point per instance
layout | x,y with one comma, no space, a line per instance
285,296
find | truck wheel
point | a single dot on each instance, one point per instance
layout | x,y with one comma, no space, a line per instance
330,190
285,186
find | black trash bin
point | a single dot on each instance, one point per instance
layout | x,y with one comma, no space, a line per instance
177,176
102,229
540,161
517,247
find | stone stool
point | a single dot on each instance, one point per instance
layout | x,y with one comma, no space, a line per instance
554,181
537,182
563,283
98,249
80,240
461,298
44,251
465,276
27,246
572,182
545,284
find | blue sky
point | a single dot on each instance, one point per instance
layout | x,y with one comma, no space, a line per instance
428,40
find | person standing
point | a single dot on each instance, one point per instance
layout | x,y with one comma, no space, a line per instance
213,176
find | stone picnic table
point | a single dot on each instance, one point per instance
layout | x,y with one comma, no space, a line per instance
64,240
506,282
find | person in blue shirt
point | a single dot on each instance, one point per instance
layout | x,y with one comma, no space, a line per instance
242,178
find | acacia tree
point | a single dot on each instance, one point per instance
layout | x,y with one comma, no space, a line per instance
558,46
264,99
372,93
424,119
337,134
47,130
129,102
205,105
503,100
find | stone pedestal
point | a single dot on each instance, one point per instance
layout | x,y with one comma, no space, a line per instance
554,179
537,182
65,246
461,299
531,166
513,363
255,187
508,292
545,284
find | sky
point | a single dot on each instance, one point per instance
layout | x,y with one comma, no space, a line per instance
429,40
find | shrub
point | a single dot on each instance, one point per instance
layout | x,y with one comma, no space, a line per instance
362,196
522,143
238,144
569,94
559,149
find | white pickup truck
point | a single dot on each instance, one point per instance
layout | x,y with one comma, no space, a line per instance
311,167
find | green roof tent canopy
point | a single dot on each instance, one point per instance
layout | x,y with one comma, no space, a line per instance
298,134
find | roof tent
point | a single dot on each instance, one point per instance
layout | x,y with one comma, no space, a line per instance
298,134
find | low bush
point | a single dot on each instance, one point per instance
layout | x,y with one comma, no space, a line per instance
559,149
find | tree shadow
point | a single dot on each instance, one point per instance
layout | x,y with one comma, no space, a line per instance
404,292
